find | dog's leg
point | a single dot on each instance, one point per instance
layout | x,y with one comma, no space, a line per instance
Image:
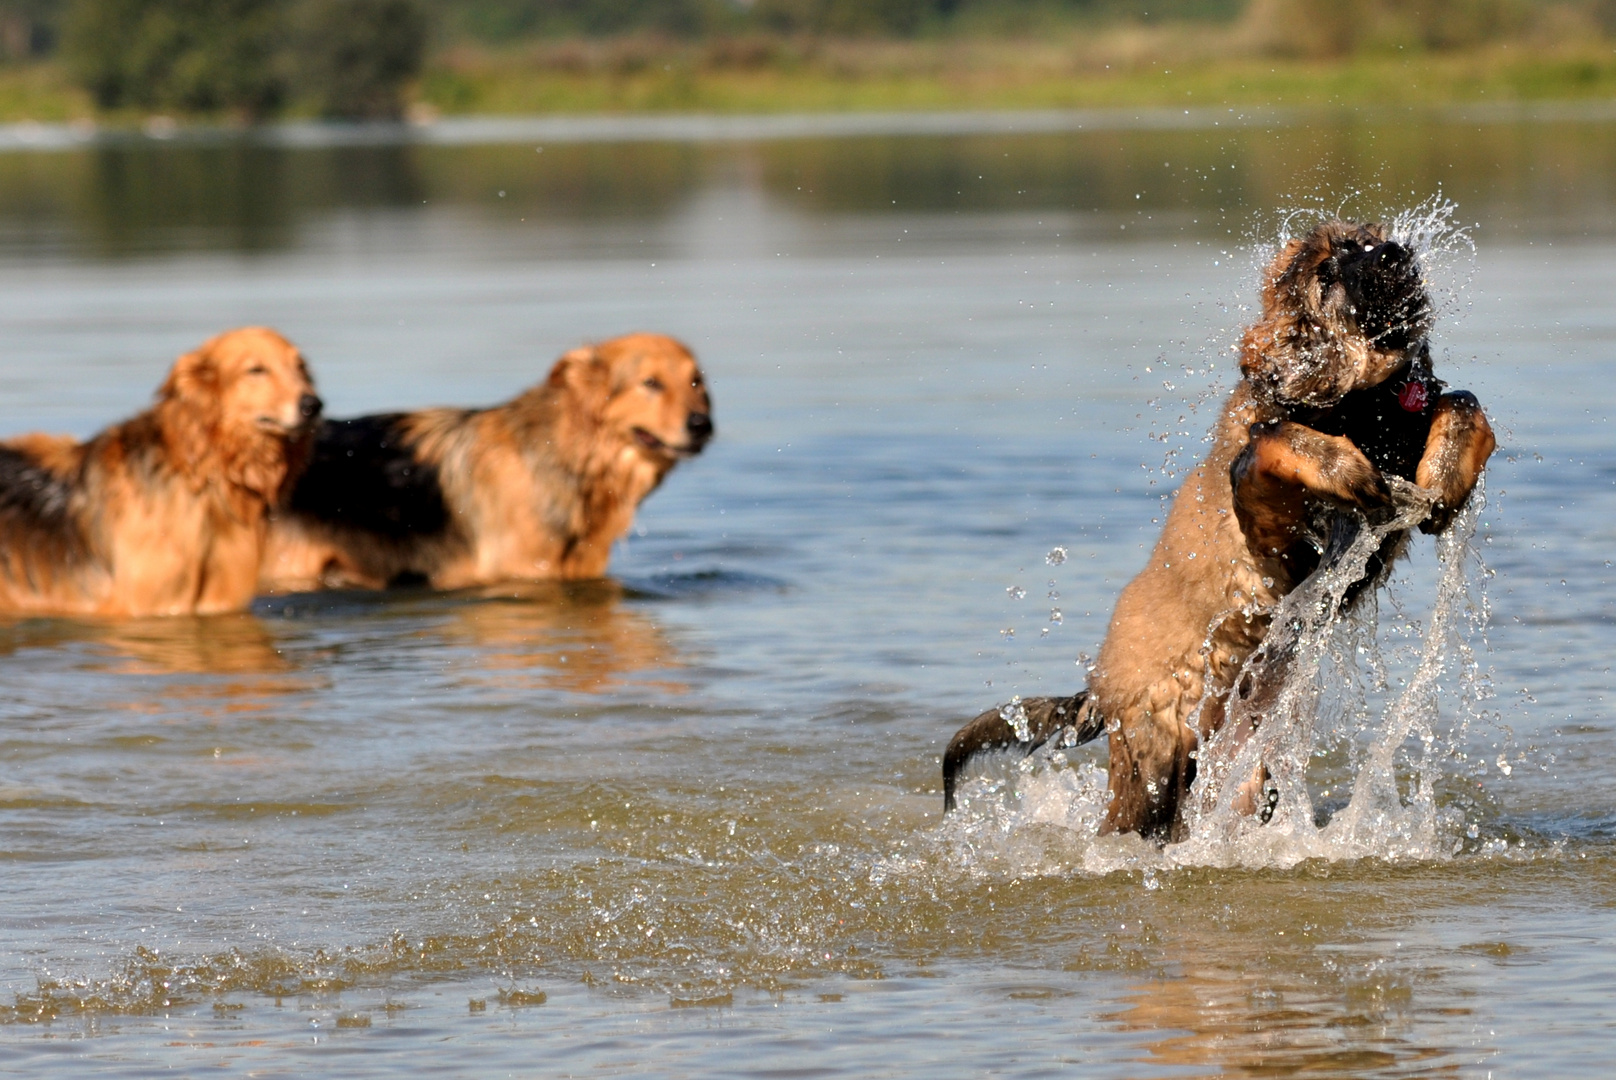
993,731
1456,451
1151,769
1283,466
1249,702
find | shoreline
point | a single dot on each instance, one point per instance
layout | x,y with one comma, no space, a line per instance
710,127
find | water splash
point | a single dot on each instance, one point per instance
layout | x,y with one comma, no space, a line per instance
1431,229
1399,756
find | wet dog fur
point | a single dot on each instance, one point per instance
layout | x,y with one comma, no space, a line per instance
1336,394
165,513
537,488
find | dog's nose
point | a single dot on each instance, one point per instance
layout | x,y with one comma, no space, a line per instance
700,427
1388,254
1377,275
309,406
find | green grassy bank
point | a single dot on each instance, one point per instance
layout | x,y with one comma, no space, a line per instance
1002,75
640,76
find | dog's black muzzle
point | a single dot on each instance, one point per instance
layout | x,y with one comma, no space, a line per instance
1383,283
699,427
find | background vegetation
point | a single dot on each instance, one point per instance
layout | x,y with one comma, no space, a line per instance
249,59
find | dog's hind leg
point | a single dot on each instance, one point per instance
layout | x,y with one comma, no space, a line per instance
1226,721
1039,721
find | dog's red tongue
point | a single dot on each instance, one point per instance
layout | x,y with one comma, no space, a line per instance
1413,396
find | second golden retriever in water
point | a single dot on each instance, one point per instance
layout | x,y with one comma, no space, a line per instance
536,488
164,513
1337,394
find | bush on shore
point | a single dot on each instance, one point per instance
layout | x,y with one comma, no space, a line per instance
1330,28
249,58
356,56
177,54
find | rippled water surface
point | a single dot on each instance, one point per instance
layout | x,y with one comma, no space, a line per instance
687,821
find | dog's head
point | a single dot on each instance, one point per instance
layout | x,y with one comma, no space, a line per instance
244,401
1344,308
645,391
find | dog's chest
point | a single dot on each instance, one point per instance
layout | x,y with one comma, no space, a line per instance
1389,423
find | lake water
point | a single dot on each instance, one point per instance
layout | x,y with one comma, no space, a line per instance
687,821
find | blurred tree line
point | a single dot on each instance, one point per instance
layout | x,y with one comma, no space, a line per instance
356,58
1339,25
497,20
253,58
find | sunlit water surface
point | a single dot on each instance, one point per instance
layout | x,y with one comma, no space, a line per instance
687,821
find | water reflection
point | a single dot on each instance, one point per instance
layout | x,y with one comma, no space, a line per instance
233,644
577,637
240,195
1245,1026
573,636
233,197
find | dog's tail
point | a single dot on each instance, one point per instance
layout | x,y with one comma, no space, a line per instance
994,730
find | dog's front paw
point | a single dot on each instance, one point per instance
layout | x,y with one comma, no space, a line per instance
1411,504
1361,486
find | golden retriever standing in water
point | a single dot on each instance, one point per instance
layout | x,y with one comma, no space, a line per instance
1337,394
536,488
163,514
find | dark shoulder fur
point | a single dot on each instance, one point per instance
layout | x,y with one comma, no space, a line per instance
36,514
1390,423
364,474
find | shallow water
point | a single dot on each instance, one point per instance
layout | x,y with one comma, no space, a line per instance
696,807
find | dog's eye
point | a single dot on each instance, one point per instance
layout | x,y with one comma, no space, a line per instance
258,369
653,384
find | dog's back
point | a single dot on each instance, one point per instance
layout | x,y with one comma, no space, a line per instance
369,511
43,547
537,488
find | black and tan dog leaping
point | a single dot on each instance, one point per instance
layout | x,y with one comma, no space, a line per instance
1337,394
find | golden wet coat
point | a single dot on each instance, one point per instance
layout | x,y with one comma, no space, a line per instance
1344,312
537,488
164,513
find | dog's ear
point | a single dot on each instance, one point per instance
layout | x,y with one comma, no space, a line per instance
189,411
1265,347
1297,347
585,377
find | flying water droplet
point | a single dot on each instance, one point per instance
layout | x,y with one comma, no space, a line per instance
1056,556
1015,714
